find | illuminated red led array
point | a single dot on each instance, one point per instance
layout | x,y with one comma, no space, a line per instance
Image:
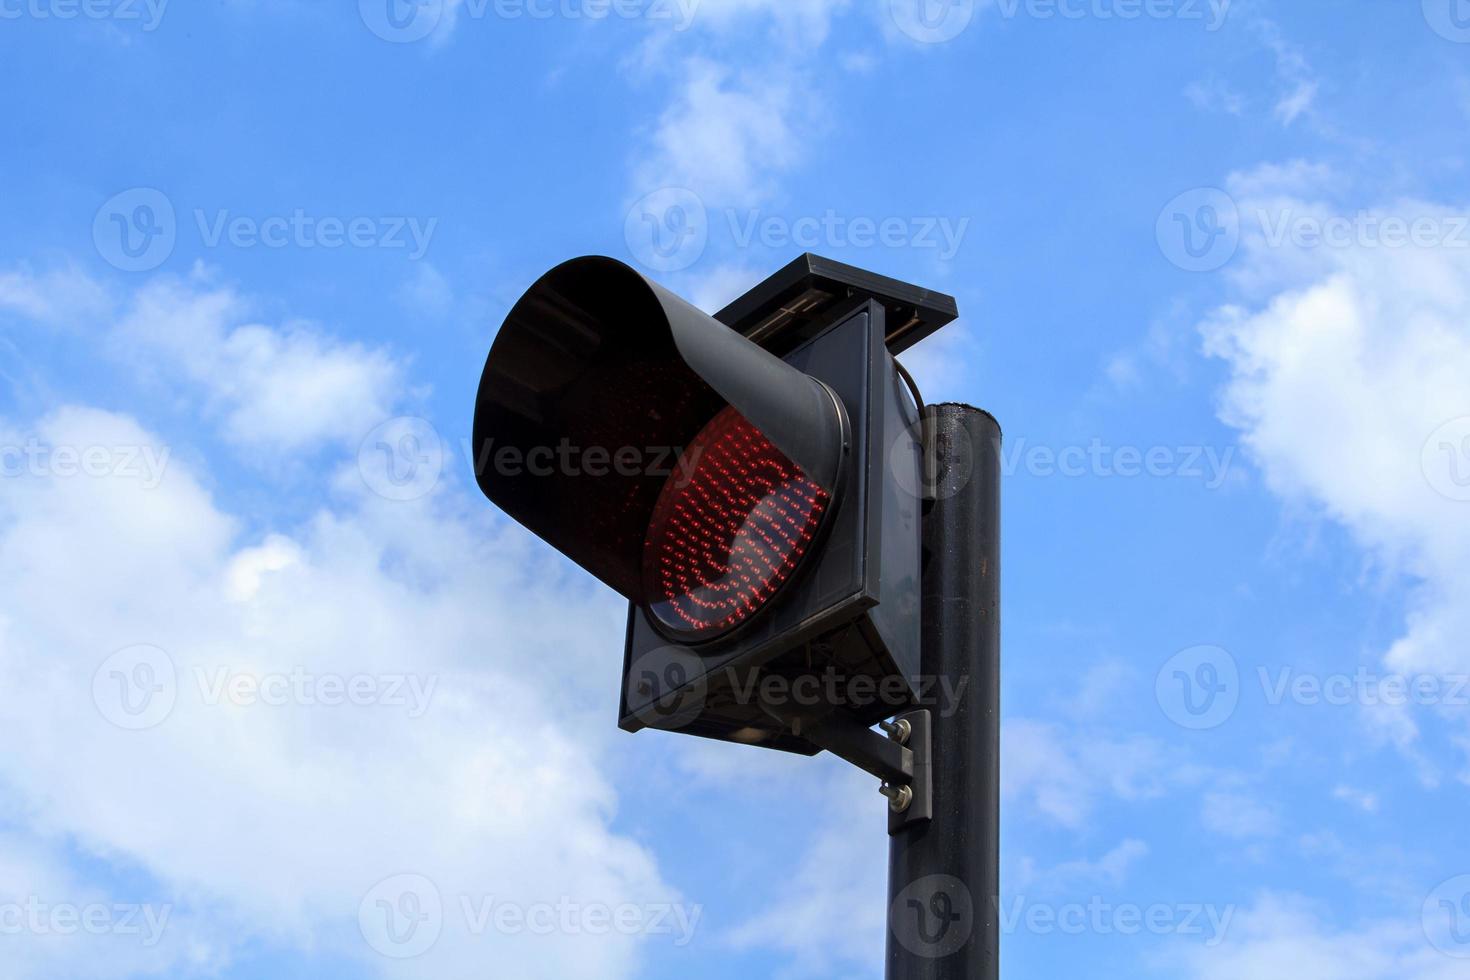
724,538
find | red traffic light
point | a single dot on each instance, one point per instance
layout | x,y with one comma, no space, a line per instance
730,527
747,481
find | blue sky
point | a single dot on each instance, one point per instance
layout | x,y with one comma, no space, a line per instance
271,661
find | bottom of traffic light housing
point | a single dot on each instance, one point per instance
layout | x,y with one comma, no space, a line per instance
839,674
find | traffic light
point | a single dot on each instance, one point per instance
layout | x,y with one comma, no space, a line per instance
751,483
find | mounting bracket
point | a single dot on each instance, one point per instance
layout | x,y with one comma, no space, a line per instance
902,758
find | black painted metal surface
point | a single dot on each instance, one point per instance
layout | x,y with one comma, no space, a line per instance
944,874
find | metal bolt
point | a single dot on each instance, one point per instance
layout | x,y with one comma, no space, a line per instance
899,730
899,797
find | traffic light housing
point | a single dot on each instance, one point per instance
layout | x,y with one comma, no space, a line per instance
750,482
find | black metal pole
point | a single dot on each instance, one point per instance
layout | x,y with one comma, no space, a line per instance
944,875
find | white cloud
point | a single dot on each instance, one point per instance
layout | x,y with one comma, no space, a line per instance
1284,936
1103,686
1065,775
796,23
1299,84
427,291
286,388
1237,815
830,915
1166,349
1362,799
1214,94
1111,869
713,289
1284,181
56,924
285,815
1348,367
793,22
944,365
727,132
275,820
1298,100
59,297
1296,82
740,114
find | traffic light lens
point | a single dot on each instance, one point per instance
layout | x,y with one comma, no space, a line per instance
730,527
